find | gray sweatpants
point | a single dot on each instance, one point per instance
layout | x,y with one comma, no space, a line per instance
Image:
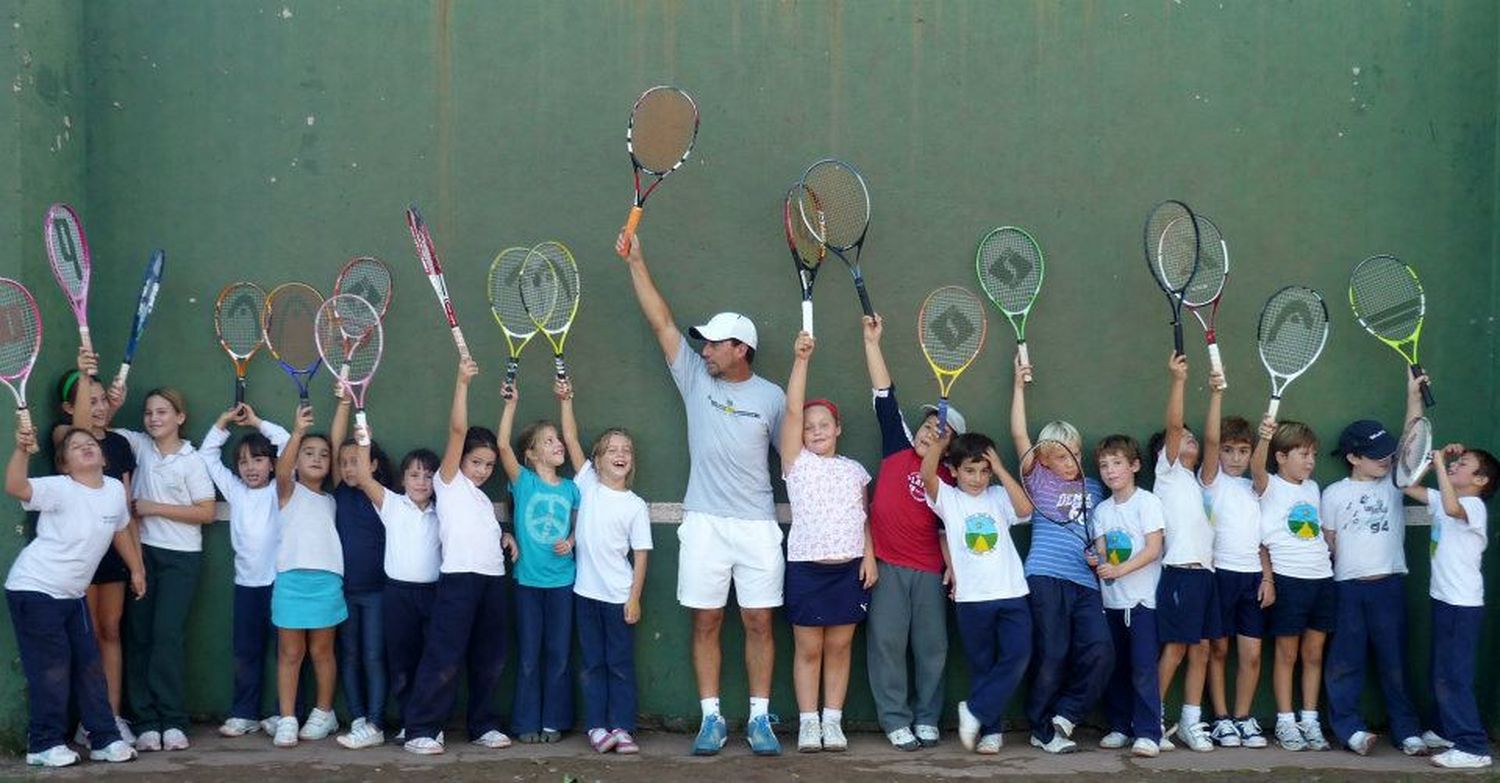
907,609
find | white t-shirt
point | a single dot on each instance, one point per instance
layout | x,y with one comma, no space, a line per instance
1189,538
986,566
253,519
827,496
1124,527
1369,527
309,539
1292,529
413,551
76,527
178,479
467,527
1234,513
611,524
1457,546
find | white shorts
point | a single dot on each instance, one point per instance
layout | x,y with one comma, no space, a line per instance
715,550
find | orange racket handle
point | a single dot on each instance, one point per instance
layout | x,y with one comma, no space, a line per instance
630,225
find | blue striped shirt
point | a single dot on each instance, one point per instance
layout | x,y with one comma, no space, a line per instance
1057,550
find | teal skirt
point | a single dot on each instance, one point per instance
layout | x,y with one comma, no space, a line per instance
306,598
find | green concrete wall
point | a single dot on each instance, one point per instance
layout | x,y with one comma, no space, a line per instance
274,141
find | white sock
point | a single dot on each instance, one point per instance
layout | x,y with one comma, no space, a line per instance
710,706
808,717
1286,717
1191,714
1309,716
759,706
831,715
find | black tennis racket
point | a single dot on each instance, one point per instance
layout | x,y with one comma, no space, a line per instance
807,252
1171,239
835,207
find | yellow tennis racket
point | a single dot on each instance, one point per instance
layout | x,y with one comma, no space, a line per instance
1388,301
550,295
950,329
508,307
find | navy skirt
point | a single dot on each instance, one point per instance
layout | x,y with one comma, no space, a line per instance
823,594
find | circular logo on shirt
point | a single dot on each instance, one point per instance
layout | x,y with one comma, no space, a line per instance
915,486
980,534
1302,521
1118,547
546,518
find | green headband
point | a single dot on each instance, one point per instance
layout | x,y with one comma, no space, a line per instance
69,381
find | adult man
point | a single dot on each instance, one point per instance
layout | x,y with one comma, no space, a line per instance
729,531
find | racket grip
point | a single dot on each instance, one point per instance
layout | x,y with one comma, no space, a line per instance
1273,407
1427,399
1216,362
122,374
942,427
1025,357
561,367
864,297
23,417
511,365
239,390
458,341
1177,336
807,325
84,339
630,225
361,428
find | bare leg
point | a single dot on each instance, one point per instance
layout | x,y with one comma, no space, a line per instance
707,657
1218,666
1247,675
106,607
760,650
1172,654
807,665
325,665
291,646
1312,667
1281,671
838,642
1197,671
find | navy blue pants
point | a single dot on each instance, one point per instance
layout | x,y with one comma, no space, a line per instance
1455,645
607,649
361,644
1132,702
1371,614
997,643
407,608
60,658
252,628
470,624
1071,653
544,644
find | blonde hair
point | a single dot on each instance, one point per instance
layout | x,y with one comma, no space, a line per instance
173,397
1063,432
603,442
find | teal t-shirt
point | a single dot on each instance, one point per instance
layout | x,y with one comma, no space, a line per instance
543,516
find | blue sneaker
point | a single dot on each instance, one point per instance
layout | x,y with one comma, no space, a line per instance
762,739
711,736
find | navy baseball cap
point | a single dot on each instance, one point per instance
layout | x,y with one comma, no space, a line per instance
1366,438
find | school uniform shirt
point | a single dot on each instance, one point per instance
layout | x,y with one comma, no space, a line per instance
1457,546
309,540
413,550
76,527
467,527
1189,537
362,535
903,528
611,524
1058,551
1234,514
253,516
1124,527
1292,530
731,426
985,564
1369,527
827,496
544,516
178,479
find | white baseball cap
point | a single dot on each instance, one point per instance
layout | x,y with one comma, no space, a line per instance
955,419
726,326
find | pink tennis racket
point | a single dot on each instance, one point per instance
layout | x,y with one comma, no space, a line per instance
350,337
20,342
68,253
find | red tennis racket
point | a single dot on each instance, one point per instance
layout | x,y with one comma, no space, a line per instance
68,253
427,254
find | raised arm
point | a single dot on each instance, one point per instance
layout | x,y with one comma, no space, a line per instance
930,460
365,477
16,483
1177,366
507,424
880,375
1451,506
1414,406
653,306
796,394
286,463
1260,473
1018,498
1208,461
336,433
576,455
458,421
1018,434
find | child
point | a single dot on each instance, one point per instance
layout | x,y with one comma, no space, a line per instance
830,562
174,499
544,505
361,638
254,536
469,613
613,523
307,601
1128,529
1305,600
1242,570
1187,610
985,575
1366,528
1072,653
83,512
1459,535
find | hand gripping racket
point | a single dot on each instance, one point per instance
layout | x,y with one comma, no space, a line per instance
239,321
550,293
1207,287
950,329
72,265
427,254
663,127
349,335
1292,332
835,207
20,342
1171,238
807,251
506,306
1388,302
291,312
150,287
1010,266
1414,453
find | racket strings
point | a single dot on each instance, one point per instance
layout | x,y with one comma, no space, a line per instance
66,248
1293,328
348,334
507,298
808,248
836,204
951,328
20,330
662,129
291,311
1387,298
369,279
565,279
239,317
1010,268
539,288
1414,451
1213,266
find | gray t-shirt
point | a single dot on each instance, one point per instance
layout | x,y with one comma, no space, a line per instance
730,428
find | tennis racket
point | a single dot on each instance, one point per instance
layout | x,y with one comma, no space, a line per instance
291,312
1292,332
663,127
1207,287
1011,267
950,329
507,307
348,334
239,321
368,278
550,294
1413,453
427,254
20,342
1388,302
72,265
1065,504
150,287
835,207
1171,238
807,251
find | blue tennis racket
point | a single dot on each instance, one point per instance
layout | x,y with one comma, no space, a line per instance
150,286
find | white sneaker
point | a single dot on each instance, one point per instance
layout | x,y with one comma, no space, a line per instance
1165,743
968,726
1145,748
1225,734
1289,737
114,753
989,744
1453,758
148,741
1114,740
174,739
1414,746
268,725
809,736
1063,725
927,735
362,734
903,739
401,736
286,732
1058,744
834,740
1195,736
1312,731
423,746
1435,741
320,723
123,726
494,738
1251,734
55,756
1361,742
238,727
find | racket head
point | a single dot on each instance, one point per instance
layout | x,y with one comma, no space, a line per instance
567,284
1414,453
835,204
1066,501
1207,283
805,247
347,333
422,239
663,128
68,253
368,278
1010,267
505,284
1388,301
290,325
20,335
1292,330
239,319
146,303
950,329
1172,246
